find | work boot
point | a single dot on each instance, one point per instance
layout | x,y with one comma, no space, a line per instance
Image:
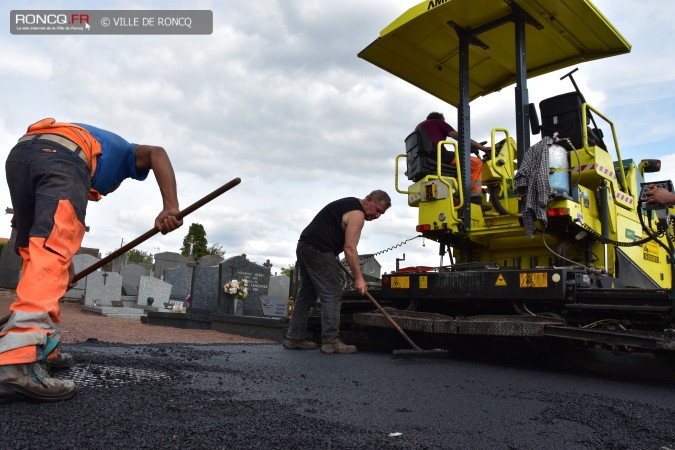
479,201
337,346
62,361
32,381
299,344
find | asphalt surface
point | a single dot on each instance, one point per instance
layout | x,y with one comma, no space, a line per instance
260,396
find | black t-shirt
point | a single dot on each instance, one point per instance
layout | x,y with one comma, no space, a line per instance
325,231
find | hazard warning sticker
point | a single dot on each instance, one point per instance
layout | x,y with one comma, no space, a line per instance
423,282
500,280
650,251
533,280
400,282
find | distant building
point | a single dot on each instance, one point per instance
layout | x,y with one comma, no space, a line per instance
95,252
370,268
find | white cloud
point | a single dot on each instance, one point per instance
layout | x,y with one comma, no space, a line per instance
277,96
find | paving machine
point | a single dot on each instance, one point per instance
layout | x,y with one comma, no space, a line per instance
568,250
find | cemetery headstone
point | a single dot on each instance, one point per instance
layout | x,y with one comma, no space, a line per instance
119,262
239,268
180,279
209,260
275,303
131,277
151,287
103,289
10,264
80,262
205,290
169,260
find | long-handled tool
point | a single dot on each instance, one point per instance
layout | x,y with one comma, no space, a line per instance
147,235
416,350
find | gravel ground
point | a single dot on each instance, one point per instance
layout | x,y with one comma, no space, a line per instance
82,326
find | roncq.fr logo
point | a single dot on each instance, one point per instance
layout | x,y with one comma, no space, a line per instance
51,19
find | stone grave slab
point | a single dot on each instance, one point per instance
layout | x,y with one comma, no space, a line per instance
275,303
238,268
180,279
131,277
151,287
209,260
102,288
169,260
81,262
205,290
10,264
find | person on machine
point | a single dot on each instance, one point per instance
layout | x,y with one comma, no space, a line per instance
438,129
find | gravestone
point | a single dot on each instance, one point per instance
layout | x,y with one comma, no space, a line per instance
81,262
103,288
151,287
131,277
169,260
10,264
239,268
209,260
205,290
180,279
119,262
275,303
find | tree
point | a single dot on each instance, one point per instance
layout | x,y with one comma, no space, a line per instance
140,257
195,243
288,271
215,249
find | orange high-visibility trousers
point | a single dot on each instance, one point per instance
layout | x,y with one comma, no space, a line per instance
475,175
49,188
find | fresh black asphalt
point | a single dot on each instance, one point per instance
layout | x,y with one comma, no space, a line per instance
265,397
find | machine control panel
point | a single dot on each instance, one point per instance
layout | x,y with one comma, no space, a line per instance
646,187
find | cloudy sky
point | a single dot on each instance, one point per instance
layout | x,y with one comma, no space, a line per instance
277,96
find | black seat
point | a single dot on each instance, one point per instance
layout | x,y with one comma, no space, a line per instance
421,160
562,113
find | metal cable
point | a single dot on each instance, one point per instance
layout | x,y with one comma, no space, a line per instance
396,246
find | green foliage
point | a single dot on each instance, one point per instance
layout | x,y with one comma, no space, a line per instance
140,257
195,243
288,271
215,249
2,245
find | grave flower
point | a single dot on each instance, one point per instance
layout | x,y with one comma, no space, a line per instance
237,288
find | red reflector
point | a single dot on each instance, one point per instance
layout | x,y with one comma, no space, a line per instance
385,280
425,227
557,212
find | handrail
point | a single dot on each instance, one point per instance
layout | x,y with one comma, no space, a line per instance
439,148
493,157
623,184
404,155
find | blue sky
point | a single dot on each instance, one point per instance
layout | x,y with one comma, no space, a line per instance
277,96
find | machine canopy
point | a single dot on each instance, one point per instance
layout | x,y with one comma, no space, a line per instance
421,47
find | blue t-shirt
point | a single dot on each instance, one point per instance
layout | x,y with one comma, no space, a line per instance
116,163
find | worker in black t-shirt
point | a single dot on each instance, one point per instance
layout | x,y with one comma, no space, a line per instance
336,228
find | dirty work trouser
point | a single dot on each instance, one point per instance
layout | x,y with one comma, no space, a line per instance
49,186
319,275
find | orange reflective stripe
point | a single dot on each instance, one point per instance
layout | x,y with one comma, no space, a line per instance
21,355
